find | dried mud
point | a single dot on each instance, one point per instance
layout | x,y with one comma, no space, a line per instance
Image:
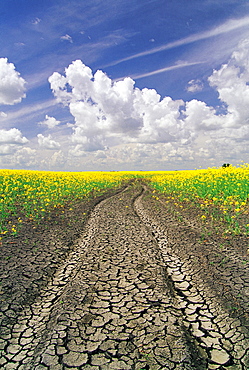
120,283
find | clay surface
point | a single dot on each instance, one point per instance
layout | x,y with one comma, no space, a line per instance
119,283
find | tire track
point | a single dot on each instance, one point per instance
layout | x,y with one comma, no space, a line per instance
27,336
123,300
107,307
223,339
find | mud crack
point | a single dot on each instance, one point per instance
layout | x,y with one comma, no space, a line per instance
124,299
221,339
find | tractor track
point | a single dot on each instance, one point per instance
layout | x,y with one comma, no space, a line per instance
221,339
124,299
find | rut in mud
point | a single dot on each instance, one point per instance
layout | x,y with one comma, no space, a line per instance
126,298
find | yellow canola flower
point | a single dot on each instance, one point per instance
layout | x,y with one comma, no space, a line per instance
34,192
223,192
31,193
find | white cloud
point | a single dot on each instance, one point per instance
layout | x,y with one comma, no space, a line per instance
108,113
100,154
50,122
47,142
12,136
11,140
67,38
194,86
12,86
25,157
231,82
199,116
117,125
77,151
7,149
58,159
3,114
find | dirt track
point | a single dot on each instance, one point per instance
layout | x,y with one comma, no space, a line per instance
128,294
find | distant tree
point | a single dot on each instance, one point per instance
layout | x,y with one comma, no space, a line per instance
226,165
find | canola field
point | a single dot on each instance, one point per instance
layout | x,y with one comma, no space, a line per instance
29,195
218,194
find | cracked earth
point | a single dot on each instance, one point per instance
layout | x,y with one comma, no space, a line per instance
125,287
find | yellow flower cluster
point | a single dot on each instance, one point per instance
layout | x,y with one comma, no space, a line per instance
29,194
225,189
224,186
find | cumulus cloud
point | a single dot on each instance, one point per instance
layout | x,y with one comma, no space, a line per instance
231,82
58,159
50,122
11,140
47,142
12,136
77,151
7,149
12,86
109,114
25,157
226,130
194,86
199,116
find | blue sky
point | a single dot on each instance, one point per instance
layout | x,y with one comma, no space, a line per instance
123,85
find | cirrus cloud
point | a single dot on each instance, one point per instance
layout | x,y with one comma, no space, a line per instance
67,38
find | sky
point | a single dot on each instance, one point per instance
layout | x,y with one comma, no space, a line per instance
123,84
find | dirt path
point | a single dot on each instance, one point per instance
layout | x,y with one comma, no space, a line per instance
125,298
